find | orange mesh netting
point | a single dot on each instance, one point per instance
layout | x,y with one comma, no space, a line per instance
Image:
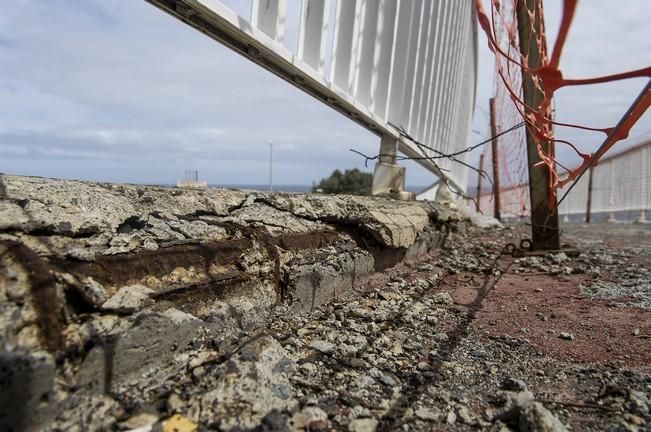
501,27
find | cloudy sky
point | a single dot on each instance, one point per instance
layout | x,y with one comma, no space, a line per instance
116,90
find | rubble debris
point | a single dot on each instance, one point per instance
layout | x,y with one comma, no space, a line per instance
522,412
179,423
128,299
323,346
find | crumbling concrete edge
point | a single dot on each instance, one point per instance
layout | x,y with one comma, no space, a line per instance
190,262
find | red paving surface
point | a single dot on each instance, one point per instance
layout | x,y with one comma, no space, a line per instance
602,332
538,307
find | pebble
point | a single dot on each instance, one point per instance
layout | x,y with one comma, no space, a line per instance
566,336
202,358
174,403
179,423
639,402
323,346
92,291
514,384
429,414
387,380
309,368
363,425
140,421
129,299
443,298
464,415
364,381
309,416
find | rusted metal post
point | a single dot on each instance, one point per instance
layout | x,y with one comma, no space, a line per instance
481,170
496,169
544,213
588,209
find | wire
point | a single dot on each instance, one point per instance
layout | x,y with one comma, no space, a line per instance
441,155
608,142
467,149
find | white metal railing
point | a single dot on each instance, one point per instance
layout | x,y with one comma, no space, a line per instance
620,183
384,63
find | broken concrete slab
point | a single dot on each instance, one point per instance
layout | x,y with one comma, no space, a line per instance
126,284
250,386
392,225
142,353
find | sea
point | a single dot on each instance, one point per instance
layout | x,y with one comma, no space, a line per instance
288,188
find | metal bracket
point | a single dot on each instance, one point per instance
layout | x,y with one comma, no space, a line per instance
525,248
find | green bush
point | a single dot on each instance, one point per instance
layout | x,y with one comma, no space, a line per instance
351,182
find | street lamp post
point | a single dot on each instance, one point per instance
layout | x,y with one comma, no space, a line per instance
271,155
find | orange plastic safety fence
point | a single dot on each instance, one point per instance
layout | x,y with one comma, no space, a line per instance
501,27
512,153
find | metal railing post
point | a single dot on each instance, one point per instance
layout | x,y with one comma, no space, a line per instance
479,178
588,209
496,169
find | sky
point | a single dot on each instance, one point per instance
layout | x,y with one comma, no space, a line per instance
116,90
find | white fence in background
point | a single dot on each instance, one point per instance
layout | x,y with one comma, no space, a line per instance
385,64
620,183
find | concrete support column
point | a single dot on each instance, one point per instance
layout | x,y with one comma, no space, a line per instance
389,147
389,177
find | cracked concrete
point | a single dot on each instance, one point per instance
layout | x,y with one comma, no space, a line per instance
210,266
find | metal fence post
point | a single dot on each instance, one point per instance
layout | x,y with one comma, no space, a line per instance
544,212
644,184
496,169
481,170
588,208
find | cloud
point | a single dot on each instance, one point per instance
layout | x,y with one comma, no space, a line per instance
605,38
138,96
119,81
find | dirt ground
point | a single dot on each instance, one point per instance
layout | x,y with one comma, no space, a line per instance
539,305
556,307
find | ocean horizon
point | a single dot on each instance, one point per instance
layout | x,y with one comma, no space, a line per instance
288,188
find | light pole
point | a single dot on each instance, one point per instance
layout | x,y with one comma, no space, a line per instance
271,157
